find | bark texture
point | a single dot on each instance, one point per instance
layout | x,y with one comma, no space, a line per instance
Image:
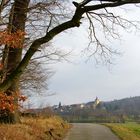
12,56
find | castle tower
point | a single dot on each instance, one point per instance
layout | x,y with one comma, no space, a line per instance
96,102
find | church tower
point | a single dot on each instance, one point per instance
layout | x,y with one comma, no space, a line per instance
96,102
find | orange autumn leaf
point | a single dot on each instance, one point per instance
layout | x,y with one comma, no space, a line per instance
1,66
7,103
13,40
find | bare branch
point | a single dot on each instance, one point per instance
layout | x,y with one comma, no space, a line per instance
85,8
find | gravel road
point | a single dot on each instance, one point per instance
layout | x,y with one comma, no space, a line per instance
90,132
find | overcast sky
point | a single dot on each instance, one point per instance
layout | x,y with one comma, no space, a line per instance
82,81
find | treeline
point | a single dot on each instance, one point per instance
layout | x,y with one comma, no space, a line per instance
130,107
117,111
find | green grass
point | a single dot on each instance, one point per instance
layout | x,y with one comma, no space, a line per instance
126,131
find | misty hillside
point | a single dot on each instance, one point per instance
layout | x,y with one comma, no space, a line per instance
128,106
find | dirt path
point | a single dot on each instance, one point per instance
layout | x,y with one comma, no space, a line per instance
90,132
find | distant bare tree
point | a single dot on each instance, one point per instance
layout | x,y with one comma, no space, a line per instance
37,10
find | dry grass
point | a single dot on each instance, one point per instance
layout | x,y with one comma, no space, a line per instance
128,131
53,128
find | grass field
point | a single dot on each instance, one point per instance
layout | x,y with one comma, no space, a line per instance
53,128
126,131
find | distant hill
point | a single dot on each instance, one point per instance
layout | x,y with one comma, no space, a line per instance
94,111
100,111
128,106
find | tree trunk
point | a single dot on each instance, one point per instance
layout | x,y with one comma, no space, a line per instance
12,56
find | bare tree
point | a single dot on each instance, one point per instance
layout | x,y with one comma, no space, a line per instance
55,23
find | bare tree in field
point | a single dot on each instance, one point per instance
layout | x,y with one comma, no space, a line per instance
48,20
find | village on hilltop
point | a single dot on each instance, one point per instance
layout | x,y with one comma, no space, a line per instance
66,108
